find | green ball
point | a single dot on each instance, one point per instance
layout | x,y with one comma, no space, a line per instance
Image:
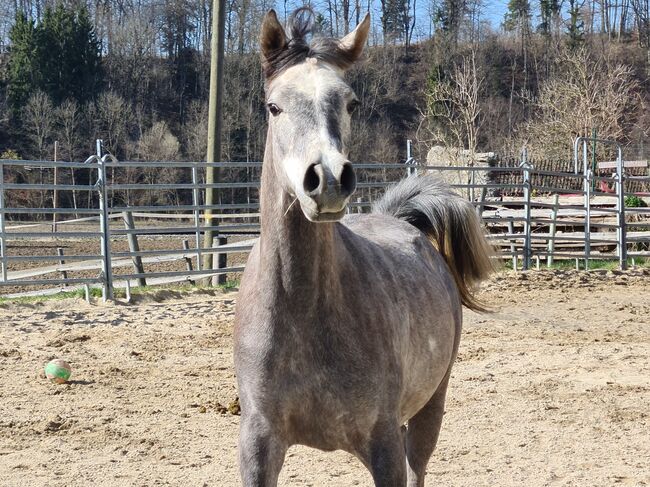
58,371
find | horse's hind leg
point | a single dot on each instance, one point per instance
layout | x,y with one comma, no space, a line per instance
422,435
261,453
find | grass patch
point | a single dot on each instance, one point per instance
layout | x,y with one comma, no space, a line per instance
570,264
96,292
77,293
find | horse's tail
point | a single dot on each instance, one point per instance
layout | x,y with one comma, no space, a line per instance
451,224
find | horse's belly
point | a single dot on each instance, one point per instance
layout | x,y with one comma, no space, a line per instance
426,363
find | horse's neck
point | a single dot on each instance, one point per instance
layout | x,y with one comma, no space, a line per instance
296,255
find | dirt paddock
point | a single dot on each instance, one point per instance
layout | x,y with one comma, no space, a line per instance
553,389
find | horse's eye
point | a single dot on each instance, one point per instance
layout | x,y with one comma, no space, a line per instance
352,106
274,109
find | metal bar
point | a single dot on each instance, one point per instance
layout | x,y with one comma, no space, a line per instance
527,223
511,230
231,249
58,282
44,187
551,241
188,164
48,164
69,258
446,168
568,223
567,238
179,186
500,218
3,242
36,211
107,268
552,189
587,222
182,273
189,229
239,206
542,172
622,245
10,235
197,216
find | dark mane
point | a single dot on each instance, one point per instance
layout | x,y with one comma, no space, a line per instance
299,48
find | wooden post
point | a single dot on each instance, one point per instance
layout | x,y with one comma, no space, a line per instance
64,273
481,204
55,197
134,247
551,242
220,262
188,260
214,118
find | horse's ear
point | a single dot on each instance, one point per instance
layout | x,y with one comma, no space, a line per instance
273,38
353,43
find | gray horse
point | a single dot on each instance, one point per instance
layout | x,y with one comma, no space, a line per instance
346,327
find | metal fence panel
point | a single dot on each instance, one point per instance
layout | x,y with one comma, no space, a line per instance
145,225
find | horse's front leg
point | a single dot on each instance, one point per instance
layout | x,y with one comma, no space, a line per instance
385,456
261,452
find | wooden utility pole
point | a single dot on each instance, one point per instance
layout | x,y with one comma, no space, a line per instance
214,119
55,197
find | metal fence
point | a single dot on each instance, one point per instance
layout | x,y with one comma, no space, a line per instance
124,236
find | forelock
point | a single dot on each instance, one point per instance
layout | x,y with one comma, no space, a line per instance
326,49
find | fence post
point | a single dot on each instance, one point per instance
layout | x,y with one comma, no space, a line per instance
3,244
527,224
410,170
481,205
622,234
513,246
196,200
64,273
188,260
552,230
134,247
220,263
107,269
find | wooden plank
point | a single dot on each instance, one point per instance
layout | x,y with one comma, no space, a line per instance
614,164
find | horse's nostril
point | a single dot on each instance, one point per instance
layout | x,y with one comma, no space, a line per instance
312,180
348,180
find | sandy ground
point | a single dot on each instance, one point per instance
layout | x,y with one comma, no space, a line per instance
554,389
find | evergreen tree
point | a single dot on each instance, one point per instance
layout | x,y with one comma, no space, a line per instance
68,55
21,59
60,56
549,10
449,16
576,28
517,16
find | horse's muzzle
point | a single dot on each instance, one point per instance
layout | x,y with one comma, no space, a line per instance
326,192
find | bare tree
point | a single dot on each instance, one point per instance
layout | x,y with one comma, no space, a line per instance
453,113
115,117
38,117
586,93
68,117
